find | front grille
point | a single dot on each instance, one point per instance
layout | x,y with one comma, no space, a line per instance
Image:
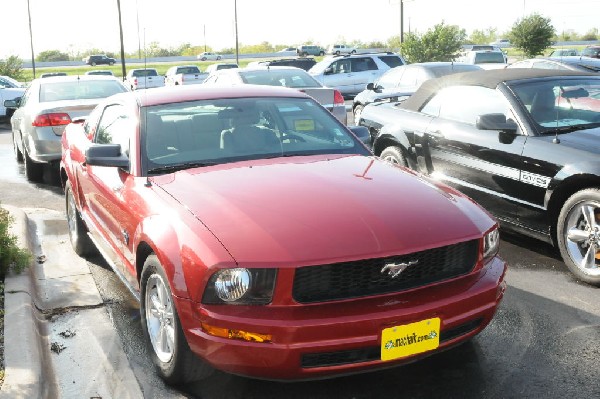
364,278
371,353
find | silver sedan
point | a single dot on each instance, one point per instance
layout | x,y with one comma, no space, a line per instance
46,107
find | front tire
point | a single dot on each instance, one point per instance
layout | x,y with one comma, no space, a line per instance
169,349
578,234
218,58
357,113
93,64
394,156
18,153
81,243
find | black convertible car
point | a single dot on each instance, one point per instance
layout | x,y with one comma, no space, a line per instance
524,143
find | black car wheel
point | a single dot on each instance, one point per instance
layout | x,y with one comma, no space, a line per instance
322,53
80,241
218,57
33,170
578,235
93,63
357,113
161,326
18,153
394,156
111,63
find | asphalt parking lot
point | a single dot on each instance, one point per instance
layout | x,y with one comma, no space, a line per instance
542,343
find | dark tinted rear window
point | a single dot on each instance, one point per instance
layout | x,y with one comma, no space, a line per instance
391,60
145,72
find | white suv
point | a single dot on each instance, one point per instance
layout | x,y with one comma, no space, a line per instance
338,49
349,74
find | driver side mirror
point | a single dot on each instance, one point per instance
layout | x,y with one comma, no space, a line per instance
495,122
328,71
12,104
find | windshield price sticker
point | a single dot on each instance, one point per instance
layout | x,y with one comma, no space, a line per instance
304,125
410,339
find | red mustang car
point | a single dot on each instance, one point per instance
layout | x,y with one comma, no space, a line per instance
262,237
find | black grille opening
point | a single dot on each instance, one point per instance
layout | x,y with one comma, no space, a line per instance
368,354
363,278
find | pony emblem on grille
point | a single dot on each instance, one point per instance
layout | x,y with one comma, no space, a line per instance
394,269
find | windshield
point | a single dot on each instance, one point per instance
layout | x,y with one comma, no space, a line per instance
182,135
489,57
562,103
79,89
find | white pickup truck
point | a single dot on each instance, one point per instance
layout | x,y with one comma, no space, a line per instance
144,78
184,75
9,90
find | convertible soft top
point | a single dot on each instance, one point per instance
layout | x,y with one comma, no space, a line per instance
485,78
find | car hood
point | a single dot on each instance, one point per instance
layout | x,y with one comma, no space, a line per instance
11,93
587,140
311,210
370,96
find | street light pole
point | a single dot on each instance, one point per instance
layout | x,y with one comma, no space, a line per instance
237,48
31,39
123,70
401,21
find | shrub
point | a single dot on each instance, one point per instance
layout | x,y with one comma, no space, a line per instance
11,256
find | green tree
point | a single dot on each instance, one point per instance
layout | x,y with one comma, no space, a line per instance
591,34
532,35
13,67
483,36
441,43
52,55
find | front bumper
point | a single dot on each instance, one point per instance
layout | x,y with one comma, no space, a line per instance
322,340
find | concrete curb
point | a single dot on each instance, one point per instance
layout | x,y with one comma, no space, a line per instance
28,369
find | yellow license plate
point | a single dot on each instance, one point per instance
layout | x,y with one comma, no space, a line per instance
410,339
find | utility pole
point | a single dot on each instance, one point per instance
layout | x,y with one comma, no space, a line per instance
31,39
237,48
137,17
205,38
401,21
123,70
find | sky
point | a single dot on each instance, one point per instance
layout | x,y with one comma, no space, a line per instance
74,26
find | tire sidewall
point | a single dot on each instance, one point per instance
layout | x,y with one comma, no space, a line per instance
394,152
168,370
572,202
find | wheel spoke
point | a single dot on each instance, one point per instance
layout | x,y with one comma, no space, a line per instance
589,260
577,235
589,215
156,304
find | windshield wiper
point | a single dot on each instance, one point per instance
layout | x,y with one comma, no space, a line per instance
573,128
180,166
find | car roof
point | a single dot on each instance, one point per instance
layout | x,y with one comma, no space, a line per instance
71,78
484,78
166,95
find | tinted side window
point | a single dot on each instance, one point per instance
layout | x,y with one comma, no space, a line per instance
363,64
391,60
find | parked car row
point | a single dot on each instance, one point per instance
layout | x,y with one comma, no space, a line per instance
254,226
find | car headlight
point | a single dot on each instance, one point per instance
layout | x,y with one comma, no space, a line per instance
240,286
491,244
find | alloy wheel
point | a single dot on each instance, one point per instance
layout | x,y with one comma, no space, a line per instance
160,318
582,236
